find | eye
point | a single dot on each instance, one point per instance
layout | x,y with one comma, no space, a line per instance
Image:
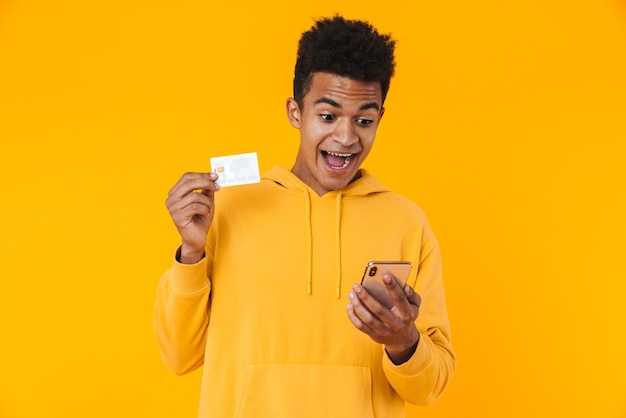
327,117
364,122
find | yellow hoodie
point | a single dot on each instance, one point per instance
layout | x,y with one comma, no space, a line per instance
265,310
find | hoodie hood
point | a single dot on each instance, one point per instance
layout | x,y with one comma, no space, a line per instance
365,185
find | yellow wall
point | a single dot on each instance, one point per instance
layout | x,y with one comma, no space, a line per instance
506,123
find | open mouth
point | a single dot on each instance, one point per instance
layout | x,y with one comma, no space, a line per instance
335,160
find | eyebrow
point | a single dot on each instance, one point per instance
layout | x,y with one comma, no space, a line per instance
371,105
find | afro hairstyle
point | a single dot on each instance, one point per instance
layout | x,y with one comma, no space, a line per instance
347,48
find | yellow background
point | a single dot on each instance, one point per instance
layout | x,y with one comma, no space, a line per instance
505,122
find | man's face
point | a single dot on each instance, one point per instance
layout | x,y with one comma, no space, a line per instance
337,125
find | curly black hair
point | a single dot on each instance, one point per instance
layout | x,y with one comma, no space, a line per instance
348,48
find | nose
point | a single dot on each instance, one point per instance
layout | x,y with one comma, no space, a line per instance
345,133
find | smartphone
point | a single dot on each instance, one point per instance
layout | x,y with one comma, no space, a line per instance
373,278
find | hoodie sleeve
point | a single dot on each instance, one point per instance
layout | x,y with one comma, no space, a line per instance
181,315
424,377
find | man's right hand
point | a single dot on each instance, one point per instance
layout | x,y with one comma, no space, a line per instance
191,205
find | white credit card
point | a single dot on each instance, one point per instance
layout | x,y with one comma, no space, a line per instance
235,170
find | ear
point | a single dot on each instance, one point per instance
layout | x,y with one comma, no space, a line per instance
382,112
293,113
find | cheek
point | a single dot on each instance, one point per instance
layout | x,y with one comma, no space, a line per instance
312,135
367,139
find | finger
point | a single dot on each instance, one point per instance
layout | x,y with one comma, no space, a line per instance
191,214
178,201
186,215
366,307
403,312
376,316
400,299
411,313
194,181
413,297
184,211
357,322
196,202
369,322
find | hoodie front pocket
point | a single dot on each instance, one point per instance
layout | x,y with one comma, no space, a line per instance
288,391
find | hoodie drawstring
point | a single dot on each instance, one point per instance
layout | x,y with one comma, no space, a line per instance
309,242
338,243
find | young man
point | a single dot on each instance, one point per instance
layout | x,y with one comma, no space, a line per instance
262,290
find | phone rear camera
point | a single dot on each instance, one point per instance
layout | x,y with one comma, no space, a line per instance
373,271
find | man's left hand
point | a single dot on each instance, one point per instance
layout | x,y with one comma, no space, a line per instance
395,327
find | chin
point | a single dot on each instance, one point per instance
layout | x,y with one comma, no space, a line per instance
338,184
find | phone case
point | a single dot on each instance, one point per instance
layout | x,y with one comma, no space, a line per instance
373,278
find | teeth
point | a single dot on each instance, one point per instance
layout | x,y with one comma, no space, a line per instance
339,155
345,162
346,157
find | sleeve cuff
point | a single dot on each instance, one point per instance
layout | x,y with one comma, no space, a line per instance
190,279
417,364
